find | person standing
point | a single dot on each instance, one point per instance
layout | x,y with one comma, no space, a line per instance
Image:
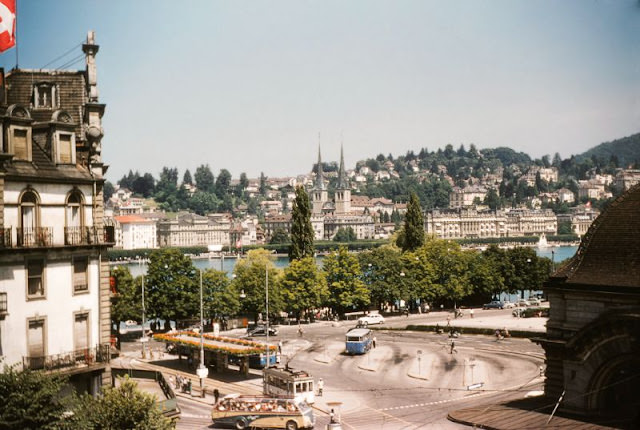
471,312
374,342
453,347
320,386
216,395
280,347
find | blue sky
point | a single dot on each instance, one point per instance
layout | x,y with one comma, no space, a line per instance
248,85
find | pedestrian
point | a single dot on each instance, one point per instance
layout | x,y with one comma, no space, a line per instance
453,347
320,386
498,335
216,395
279,347
374,341
471,312
448,320
300,331
332,416
189,385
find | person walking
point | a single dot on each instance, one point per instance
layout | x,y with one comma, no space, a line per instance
320,386
374,342
453,347
279,347
216,395
471,313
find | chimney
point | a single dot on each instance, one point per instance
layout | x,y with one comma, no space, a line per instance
91,49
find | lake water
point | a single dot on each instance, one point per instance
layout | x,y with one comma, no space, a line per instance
560,253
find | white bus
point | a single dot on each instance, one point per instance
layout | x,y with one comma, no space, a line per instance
297,384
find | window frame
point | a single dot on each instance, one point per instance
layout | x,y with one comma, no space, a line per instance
45,325
28,277
52,93
77,314
58,146
74,290
12,141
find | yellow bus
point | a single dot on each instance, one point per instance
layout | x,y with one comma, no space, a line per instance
262,412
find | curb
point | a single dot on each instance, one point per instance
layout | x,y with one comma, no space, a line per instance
414,376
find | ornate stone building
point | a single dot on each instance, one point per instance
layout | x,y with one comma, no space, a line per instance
54,272
593,334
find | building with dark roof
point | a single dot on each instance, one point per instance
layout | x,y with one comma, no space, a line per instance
54,273
593,333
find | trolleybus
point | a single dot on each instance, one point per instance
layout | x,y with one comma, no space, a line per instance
297,384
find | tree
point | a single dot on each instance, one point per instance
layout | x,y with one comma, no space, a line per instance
347,291
220,296
243,183
345,235
30,399
107,191
119,407
412,236
223,183
280,235
263,185
171,291
203,203
492,199
304,286
144,185
186,179
302,233
126,304
204,179
251,278
381,268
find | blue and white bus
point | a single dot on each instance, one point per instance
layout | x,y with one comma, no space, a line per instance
358,341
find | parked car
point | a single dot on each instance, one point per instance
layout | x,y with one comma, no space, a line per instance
530,312
371,319
524,303
534,302
261,330
496,304
508,304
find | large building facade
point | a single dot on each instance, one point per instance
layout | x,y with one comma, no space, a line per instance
54,273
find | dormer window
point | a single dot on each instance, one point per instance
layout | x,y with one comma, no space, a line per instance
45,96
65,148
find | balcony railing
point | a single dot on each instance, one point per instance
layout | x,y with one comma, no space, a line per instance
88,235
35,237
5,238
3,304
79,357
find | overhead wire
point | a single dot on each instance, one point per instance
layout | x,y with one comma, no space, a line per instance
62,55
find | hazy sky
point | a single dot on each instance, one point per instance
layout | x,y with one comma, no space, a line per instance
247,85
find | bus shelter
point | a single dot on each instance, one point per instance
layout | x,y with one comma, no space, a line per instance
220,351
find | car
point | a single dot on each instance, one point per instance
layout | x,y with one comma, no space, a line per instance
534,302
508,305
496,304
371,319
524,303
261,330
518,312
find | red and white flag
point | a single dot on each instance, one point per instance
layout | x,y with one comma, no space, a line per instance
239,243
7,24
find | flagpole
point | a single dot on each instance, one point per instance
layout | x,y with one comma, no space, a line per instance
15,36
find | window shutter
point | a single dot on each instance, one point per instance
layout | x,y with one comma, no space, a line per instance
64,148
36,338
80,275
20,149
81,332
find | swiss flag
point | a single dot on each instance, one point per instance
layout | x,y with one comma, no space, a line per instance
7,24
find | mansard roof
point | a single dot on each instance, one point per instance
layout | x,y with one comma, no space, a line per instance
609,254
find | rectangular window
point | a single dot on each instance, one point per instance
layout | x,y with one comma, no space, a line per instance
80,278
35,281
81,331
35,343
64,148
20,149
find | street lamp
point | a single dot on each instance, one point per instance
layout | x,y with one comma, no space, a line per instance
202,371
143,340
266,296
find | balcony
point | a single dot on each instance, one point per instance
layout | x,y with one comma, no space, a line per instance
87,357
5,238
35,237
3,305
86,235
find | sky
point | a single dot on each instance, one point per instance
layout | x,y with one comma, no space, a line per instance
256,86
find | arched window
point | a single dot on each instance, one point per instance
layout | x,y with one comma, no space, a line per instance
74,219
28,218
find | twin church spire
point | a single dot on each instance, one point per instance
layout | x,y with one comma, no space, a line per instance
319,194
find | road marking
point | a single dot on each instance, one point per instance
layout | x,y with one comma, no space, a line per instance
183,415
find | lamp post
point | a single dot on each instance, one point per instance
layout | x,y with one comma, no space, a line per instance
143,340
266,297
202,370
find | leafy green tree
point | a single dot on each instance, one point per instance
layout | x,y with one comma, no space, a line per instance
492,199
107,191
451,270
345,235
302,233
530,271
243,183
251,278
126,304
223,183
502,268
347,291
412,236
220,296
203,203
304,286
30,399
381,268
119,407
144,185
263,185
171,290
280,235
186,179
204,179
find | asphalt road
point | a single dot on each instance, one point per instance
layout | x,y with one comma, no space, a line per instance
389,388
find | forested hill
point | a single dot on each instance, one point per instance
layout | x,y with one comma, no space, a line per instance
626,150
